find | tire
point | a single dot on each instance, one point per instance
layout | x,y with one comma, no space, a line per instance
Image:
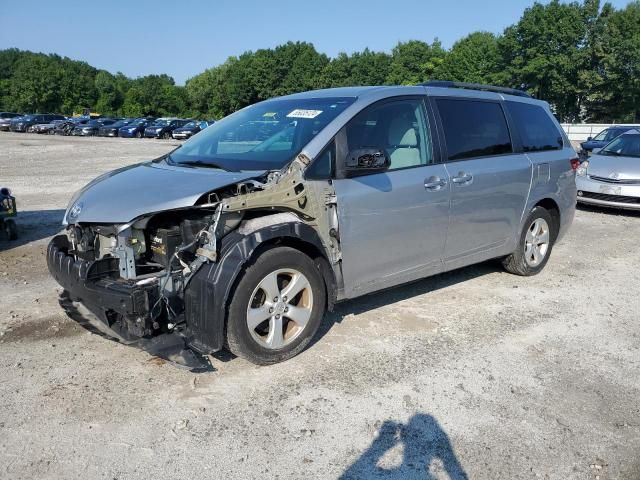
11,229
260,342
138,134
534,245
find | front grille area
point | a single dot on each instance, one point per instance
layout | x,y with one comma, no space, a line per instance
612,198
629,181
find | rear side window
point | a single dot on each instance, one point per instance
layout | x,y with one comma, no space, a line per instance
474,128
537,130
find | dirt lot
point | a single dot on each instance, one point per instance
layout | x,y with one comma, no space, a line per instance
475,373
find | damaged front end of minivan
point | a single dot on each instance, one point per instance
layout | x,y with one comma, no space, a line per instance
162,279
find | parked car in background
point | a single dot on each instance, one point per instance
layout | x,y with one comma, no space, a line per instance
191,128
112,129
611,177
244,236
601,139
47,127
92,126
164,127
67,126
5,120
24,123
135,128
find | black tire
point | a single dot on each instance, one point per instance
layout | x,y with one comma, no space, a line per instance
138,134
517,262
166,135
240,340
11,229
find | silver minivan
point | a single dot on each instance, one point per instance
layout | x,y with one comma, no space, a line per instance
242,237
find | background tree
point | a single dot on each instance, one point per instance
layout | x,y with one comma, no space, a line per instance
475,59
583,58
414,62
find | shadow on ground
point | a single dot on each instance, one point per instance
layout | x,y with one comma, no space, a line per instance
425,453
618,212
403,292
33,225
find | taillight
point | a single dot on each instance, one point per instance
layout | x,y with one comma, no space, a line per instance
575,163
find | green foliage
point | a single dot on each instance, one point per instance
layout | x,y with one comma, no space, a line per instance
474,59
415,62
583,59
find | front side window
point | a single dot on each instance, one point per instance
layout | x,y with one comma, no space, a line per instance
537,130
267,135
474,128
399,127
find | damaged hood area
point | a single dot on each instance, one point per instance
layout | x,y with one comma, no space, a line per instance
125,194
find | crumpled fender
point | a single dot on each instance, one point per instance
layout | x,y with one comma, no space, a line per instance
207,295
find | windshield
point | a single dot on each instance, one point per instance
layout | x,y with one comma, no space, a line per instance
161,123
607,135
623,146
120,123
263,136
191,125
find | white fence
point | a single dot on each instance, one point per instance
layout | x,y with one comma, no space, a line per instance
579,132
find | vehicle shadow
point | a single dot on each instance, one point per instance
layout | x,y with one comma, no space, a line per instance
33,225
403,292
618,212
423,441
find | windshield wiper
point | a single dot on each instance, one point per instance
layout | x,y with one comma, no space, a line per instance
199,163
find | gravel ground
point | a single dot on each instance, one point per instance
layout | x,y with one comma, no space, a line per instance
475,373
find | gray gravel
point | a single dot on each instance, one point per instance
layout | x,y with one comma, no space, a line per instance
473,373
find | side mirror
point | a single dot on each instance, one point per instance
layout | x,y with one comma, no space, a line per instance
589,139
365,161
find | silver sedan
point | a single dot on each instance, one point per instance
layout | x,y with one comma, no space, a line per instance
611,177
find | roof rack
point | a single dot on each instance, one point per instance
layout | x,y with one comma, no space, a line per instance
475,86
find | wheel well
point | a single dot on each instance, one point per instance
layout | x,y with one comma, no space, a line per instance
312,252
305,247
552,207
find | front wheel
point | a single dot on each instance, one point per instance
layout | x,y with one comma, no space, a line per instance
534,246
277,307
138,134
166,135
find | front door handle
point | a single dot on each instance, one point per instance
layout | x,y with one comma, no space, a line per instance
462,178
434,184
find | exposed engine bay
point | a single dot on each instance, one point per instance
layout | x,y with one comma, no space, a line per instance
155,257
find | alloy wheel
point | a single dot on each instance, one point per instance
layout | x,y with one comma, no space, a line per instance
279,308
536,244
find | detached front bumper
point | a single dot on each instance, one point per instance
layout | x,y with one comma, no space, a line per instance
607,194
97,286
122,308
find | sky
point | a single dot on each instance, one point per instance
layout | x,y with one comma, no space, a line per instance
183,38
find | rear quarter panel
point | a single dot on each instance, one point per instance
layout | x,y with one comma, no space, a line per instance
554,178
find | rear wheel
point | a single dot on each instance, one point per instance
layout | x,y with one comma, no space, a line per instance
534,246
277,307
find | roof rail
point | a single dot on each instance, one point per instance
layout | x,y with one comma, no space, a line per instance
475,86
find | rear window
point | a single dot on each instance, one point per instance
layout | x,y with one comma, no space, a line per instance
474,128
537,130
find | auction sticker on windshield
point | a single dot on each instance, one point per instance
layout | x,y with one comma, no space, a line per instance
299,113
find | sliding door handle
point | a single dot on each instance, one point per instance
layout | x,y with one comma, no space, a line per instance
434,183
